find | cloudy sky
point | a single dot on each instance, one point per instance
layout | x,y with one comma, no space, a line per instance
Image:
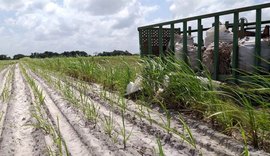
91,25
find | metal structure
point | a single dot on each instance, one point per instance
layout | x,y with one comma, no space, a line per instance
154,38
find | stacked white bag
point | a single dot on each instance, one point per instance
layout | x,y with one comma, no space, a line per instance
192,50
225,49
246,54
224,58
224,35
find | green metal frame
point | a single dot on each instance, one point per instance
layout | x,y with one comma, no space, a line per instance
187,30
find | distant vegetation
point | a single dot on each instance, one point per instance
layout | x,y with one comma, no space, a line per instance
49,54
4,57
115,53
18,56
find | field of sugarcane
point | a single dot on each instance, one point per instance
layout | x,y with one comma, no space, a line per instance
79,106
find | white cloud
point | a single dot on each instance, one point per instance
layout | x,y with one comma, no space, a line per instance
2,29
90,25
183,8
98,7
12,4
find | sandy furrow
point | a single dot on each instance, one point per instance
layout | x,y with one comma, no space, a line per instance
74,144
48,140
207,139
18,136
3,105
140,140
99,142
76,133
3,75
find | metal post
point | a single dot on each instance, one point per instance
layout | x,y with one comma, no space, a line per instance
216,49
200,44
189,30
242,26
185,41
160,42
235,46
172,38
149,43
140,42
257,52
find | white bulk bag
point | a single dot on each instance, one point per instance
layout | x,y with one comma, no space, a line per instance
192,50
246,54
224,35
225,50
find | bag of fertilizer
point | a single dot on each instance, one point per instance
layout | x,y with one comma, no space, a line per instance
224,35
192,50
225,50
247,57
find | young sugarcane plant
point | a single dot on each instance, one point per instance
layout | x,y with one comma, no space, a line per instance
6,93
246,151
190,139
1,115
167,123
141,112
149,116
60,142
123,129
92,112
108,124
160,148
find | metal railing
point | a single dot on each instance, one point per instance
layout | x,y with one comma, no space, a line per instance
146,31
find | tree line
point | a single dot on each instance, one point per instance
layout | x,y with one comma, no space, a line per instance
49,54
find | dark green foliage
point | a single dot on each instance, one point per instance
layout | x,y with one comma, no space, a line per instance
115,53
18,56
48,54
4,57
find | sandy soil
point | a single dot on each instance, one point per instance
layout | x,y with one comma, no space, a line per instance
18,137
3,104
83,137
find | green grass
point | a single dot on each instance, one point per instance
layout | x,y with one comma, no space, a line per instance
5,63
229,105
114,73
